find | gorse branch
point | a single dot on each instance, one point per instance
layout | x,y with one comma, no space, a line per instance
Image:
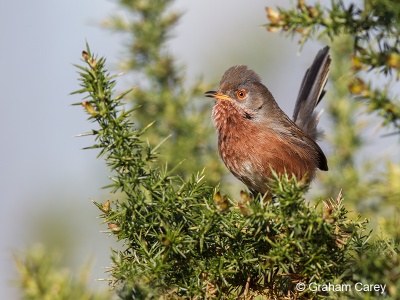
164,93
374,29
117,138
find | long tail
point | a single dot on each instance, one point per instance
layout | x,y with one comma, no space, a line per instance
310,94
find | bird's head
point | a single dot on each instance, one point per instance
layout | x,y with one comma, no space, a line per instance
242,87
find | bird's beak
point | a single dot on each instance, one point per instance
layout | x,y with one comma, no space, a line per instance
217,95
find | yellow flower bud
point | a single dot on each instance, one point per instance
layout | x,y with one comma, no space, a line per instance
90,60
272,29
357,86
106,206
85,55
313,13
301,5
113,227
244,209
273,15
393,60
357,65
89,108
221,201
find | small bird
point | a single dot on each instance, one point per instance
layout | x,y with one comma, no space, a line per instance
255,136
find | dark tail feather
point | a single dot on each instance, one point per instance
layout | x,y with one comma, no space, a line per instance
310,94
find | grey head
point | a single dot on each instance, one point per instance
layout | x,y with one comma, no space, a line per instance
243,87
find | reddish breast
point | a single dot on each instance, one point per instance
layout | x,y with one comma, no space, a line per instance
252,165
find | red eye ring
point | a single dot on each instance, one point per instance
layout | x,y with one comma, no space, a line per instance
241,94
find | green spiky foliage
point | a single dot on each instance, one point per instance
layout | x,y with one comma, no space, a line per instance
178,108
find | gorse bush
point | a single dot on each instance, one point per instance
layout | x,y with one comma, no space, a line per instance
182,238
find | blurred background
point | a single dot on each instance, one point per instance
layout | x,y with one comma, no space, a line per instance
47,181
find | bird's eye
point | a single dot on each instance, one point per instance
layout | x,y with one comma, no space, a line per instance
241,94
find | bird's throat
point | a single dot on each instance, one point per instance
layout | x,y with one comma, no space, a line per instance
227,116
